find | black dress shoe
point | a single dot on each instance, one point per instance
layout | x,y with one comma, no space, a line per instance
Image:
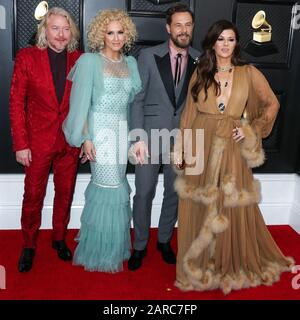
26,259
136,259
63,252
167,253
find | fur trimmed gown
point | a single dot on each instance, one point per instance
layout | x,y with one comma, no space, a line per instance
223,241
100,99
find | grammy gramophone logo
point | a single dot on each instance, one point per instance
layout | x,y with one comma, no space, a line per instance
40,11
261,43
263,30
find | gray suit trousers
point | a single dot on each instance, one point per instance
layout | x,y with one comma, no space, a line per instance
146,177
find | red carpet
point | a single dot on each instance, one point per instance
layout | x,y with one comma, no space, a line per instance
51,278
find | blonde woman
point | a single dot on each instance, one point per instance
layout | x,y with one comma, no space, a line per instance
104,84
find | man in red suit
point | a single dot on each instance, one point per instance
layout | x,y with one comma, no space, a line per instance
39,103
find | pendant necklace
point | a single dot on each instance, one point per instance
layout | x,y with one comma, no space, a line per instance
221,105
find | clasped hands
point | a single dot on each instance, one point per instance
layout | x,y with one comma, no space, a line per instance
139,150
87,152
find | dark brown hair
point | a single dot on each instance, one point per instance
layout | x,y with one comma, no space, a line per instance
178,7
207,66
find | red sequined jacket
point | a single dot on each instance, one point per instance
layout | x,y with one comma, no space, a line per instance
35,114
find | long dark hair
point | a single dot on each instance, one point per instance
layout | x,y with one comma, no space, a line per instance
207,65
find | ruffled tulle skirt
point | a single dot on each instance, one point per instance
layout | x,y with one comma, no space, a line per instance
104,236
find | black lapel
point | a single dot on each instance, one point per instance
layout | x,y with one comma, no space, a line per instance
164,68
191,65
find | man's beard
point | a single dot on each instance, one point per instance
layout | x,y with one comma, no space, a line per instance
180,44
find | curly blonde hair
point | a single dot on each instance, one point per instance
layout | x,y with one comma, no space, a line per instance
99,23
41,39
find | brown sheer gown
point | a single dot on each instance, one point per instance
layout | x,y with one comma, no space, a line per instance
223,241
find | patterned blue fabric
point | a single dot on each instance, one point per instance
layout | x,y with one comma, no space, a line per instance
100,98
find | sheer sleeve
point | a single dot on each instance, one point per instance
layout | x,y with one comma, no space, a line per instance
263,104
75,126
261,111
135,77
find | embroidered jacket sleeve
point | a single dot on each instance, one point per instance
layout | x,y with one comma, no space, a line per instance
17,103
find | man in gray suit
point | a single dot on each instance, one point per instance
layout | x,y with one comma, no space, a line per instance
165,72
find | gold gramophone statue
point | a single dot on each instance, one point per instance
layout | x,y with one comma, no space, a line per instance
40,11
259,22
261,43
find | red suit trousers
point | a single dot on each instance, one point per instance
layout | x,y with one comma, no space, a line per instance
64,164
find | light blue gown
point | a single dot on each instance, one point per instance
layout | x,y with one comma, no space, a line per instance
101,94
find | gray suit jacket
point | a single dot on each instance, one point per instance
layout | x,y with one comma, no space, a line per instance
157,106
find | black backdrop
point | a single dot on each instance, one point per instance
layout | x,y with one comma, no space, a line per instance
282,69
